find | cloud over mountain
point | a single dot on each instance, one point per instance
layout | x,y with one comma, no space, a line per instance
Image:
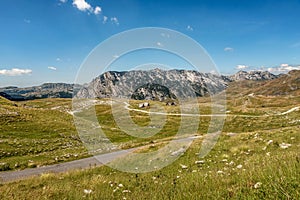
15,72
283,68
240,67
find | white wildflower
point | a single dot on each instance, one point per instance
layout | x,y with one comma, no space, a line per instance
257,185
183,166
86,191
116,189
269,142
239,166
199,162
121,185
284,145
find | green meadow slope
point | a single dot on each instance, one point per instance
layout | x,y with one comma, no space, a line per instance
36,133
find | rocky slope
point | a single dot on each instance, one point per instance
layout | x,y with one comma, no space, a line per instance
252,75
287,84
284,84
153,84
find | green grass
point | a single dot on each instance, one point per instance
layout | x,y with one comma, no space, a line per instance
218,178
41,133
34,136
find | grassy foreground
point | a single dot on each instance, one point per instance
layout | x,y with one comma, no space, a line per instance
241,166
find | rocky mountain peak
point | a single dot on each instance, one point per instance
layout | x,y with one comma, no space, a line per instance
153,84
252,75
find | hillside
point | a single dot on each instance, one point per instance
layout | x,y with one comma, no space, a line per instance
287,84
37,132
4,101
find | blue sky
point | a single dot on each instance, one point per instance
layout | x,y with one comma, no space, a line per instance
46,41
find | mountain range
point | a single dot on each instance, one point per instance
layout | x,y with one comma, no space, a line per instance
46,90
157,84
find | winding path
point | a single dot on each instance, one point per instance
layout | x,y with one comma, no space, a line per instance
84,163
297,108
105,158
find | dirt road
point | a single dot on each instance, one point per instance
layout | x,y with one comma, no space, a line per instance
84,163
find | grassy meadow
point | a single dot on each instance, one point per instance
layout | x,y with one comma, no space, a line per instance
36,133
256,157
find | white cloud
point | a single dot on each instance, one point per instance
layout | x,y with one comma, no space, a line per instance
63,1
15,72
105,19
82,5
114,20
283,68
97,10
58,59
240,67
189,28
228,49
52,68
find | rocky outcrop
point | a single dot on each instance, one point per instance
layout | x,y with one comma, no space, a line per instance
252,75
152,92
153,84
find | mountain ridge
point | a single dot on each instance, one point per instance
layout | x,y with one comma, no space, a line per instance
154,84
46,90
182,83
